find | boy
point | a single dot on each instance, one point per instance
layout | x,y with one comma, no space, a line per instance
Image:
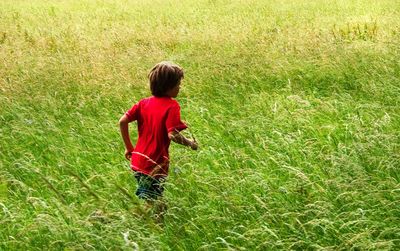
158,120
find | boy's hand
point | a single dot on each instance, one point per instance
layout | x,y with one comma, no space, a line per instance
194,145
128,154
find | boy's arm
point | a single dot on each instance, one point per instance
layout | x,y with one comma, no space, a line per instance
180,139
124,128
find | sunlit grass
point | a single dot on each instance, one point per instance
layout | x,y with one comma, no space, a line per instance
295,105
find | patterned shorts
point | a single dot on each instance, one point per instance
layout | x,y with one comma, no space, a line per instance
149,188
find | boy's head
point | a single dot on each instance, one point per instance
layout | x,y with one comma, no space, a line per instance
165,78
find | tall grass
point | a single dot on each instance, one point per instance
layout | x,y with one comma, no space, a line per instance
295,105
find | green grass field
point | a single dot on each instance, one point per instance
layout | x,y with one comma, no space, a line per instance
295,104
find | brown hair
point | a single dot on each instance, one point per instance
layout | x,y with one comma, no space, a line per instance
163,77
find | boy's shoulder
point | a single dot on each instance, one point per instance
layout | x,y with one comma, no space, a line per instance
159,101
166,100
144,100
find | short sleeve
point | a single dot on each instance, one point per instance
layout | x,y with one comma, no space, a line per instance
173,122
132,113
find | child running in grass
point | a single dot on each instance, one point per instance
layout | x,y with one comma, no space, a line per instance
158,121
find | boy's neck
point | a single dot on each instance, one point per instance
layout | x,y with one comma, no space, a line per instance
168,97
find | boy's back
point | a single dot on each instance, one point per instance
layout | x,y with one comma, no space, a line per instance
156,117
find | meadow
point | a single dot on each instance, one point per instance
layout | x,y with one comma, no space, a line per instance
295,105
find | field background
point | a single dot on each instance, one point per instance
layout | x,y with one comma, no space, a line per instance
295,105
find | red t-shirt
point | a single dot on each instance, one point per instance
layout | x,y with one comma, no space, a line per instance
156,117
